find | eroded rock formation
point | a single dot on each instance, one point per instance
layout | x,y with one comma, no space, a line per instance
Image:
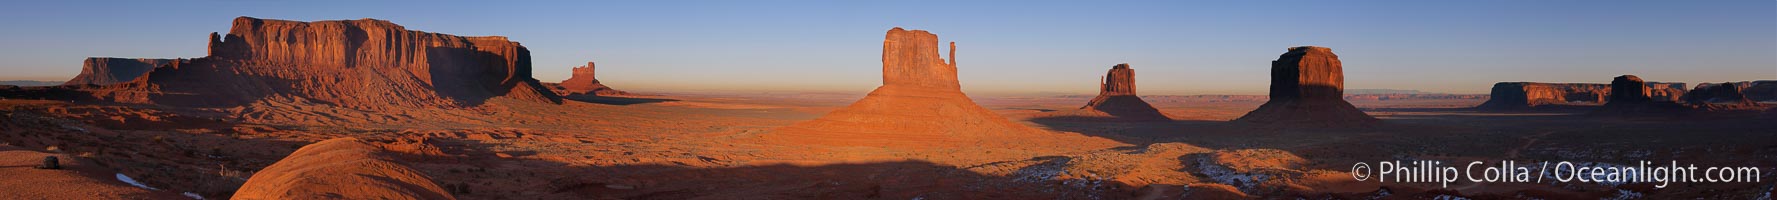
1723,93
107,71
340,168
585,82
1307,88
1521,95
1526,95
1116,97
919,104
365,64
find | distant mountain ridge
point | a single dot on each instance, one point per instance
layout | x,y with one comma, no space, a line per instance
30,83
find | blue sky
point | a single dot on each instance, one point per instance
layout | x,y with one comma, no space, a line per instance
1004,47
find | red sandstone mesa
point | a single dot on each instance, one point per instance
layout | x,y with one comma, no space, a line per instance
1527,95
1116,97
364,64
340,168
1307,88
106,71
1724,93
918,104
584,82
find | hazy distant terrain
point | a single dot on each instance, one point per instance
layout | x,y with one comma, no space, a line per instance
30,83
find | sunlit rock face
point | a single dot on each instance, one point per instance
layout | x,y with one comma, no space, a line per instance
1308,88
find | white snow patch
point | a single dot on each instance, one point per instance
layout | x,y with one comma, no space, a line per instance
127,179
193,195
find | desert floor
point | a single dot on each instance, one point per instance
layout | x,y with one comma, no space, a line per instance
682,145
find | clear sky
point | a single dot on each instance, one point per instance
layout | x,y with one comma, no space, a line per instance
1005,47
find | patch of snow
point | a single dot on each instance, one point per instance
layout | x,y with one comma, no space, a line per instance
1625,194
1221,174
1448,197
127,179
193,195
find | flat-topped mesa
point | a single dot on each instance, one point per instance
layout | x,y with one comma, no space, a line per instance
1629,89
1308,88
1528,95
1525,95
584,81
1724,93
910,59
107,71
1116,97
367,64
919,105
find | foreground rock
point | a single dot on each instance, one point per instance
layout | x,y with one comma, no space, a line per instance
1307,88
107,71
341,168
364,64
1116,97
919,104
584,82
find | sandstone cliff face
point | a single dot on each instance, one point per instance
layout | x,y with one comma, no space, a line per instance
1753,90
365,64
918,105
1521,95
584,82
107,71
1116,97
1307,88
340,168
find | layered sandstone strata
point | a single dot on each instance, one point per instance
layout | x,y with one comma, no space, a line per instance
107,71
1307,88
340,168
1116,97
364,64
918,104
585,82
1519,95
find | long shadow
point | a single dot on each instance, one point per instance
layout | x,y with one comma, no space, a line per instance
621,101
473,173
1135,132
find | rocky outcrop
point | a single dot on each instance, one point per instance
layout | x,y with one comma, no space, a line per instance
1523,95
1765,90
1307,88
107,71
1528,95
919,104
364,64
340,168
1759,90
1665,91
1724,93
1116,97
583,82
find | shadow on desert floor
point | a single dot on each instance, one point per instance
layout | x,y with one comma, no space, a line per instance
476,170
621,101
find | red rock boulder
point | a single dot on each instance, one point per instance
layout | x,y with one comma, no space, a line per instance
340,168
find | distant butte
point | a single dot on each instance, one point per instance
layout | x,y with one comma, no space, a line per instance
1308,88
584,82
1117,99
920,104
